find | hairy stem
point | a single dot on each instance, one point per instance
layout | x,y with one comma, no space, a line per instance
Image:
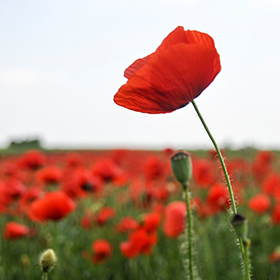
190,229
244,252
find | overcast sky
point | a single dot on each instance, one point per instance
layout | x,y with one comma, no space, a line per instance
61,62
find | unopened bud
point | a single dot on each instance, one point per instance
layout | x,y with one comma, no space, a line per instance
48,260
240,225
182,167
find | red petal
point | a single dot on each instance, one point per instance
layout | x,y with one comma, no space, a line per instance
170,79
179,35
135,66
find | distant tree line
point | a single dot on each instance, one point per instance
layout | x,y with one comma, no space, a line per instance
25,144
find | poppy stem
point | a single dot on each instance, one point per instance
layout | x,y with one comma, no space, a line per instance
246,247
190,229
233,205
245,253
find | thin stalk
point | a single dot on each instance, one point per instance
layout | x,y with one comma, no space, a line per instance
247,260
244,252
233,205
190,229
45,276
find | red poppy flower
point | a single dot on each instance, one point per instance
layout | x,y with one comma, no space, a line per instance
276,215
140,242
32,159
14,231
275,255
11,190
127,224
104,215
218,197
79,182
53,206
74,159
262,165
154,168
184,65
50,175
102,250
271,183
86,220
175,219
260,203
151,222
106,169
203,172
8,168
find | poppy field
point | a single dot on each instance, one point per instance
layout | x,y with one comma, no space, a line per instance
120,214
141,214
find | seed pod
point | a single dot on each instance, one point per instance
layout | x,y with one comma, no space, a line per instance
182,167
240,225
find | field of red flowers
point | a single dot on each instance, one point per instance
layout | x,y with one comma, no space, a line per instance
119,214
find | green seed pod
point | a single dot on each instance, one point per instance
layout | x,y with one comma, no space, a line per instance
47,260
240,225
182,167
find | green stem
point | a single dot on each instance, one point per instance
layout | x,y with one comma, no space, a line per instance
233,205
234,209
190,226
45,276
247,260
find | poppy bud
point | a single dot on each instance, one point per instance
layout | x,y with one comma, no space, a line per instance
240,225
182,167
47,260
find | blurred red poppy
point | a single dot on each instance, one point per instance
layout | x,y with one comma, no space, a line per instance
140,242
275,216
106,169
53,206
275,255
151,222
79,182
87,220
262,164
11,190
104,215
154,168
49,175
203,172
102,250
127,224
271,183
32,159
260,203
175,219
14,231
218,197
73,159
184,65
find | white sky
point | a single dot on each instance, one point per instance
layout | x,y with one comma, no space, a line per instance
61,62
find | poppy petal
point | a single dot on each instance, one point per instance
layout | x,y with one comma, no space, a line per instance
170,79
136,65
179,35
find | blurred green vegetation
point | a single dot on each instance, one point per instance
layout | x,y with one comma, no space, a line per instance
216,253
